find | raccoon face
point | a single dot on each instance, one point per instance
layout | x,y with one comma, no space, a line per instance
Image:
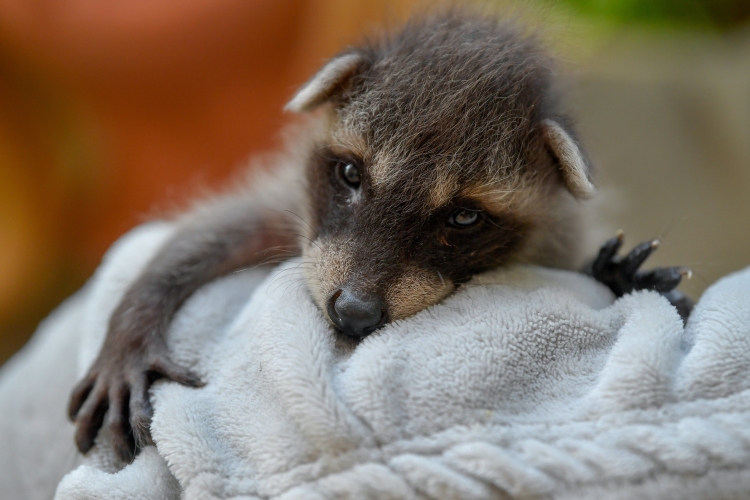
439,161
382,253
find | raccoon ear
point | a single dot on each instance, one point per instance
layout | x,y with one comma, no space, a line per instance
329,80
573,164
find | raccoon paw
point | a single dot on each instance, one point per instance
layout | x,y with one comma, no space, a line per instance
117,385
622,275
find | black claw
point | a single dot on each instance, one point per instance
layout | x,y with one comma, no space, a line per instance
89,420
122,440
79,397
607,253
637,256
142,435
118,423
662,279
140,413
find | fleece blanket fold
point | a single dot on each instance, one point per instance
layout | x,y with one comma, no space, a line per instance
525,383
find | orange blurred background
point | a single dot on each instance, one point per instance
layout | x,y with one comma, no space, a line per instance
113,111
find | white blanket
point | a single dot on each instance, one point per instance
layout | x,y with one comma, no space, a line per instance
527,382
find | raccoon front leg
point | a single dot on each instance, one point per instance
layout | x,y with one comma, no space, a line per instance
229,234
622,274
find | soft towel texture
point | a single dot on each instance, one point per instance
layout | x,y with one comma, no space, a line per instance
527,382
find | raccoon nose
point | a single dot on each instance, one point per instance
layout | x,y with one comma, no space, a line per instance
356,314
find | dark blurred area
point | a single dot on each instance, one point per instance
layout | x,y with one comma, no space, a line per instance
111,112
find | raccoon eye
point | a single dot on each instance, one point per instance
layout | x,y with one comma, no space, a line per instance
463,217
349,173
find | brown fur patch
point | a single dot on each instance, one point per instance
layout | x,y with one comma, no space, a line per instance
348,143
508,196
443,190
415,289
332,264
382,170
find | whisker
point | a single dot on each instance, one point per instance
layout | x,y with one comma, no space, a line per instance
281,276
672,223
300,218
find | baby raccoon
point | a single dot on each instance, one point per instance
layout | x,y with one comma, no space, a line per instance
433,154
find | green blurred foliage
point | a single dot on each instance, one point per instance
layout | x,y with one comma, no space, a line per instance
713,14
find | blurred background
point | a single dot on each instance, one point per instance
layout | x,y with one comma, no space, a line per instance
111,112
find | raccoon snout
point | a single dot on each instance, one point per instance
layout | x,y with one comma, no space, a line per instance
357,314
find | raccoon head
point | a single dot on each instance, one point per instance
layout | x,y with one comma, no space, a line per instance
443,156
